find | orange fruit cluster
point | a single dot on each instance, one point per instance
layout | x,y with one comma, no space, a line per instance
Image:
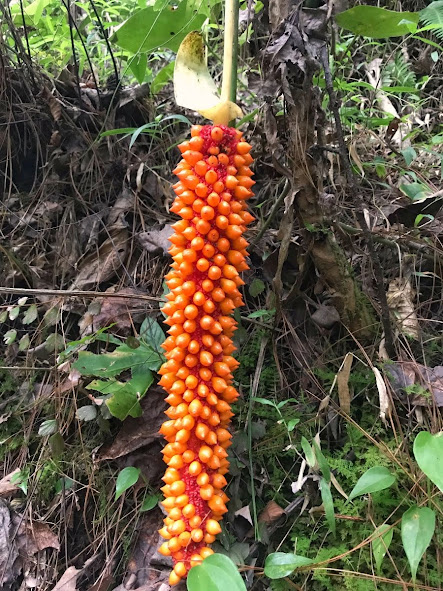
208,249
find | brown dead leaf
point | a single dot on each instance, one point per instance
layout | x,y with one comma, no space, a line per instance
146,565
121,311
405,374
156,241
271,513
68,581
138,432
103,265
10,565
384,400
344,394
6,486
43,536
400,297
103,584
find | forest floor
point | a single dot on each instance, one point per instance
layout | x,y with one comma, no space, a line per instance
84,227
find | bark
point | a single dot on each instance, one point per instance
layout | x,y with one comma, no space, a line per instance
327,255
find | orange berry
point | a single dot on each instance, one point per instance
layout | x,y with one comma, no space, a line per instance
223,159
197,535
217,134
200,167
243,148
201,189
203,265
213,200
212,526
206,358
202,479
211,177
205,453
207,213
195,467
218,186
208,250
213,235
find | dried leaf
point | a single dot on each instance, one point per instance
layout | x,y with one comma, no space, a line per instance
271,513
140,431
121,311
245,512
404,375
384,401
344,395
156,241
68,581
43,536
400,298
6,486
103,265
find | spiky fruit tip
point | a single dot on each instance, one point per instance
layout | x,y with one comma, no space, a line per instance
209,252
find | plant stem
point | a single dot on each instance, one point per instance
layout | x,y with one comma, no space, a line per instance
230,51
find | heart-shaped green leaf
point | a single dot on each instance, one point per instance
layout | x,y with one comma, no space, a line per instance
428,451
417,529
373,480
216,573
281,564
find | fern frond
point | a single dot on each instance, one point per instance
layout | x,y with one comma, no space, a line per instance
432,16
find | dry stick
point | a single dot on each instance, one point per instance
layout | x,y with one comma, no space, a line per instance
76,293
385,316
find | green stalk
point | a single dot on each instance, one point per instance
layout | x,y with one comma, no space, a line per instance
230,52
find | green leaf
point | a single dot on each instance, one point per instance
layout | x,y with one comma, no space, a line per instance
47,427
415,191
24,343
126,478
309,452
3,316
432,16
381,541
216,573
149,29
149,503
378,23
108,365
14,312
428,451
57,444
409,154
138,66
162,78
9,336
373,480
264,401
256,288
322,462
86,413
55,342
417,529
281,564
328,503
30,314
151,333
291,424
124,403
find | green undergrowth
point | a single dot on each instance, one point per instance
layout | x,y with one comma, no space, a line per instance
275,454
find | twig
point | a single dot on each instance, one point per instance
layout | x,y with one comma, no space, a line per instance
334,105
76,293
